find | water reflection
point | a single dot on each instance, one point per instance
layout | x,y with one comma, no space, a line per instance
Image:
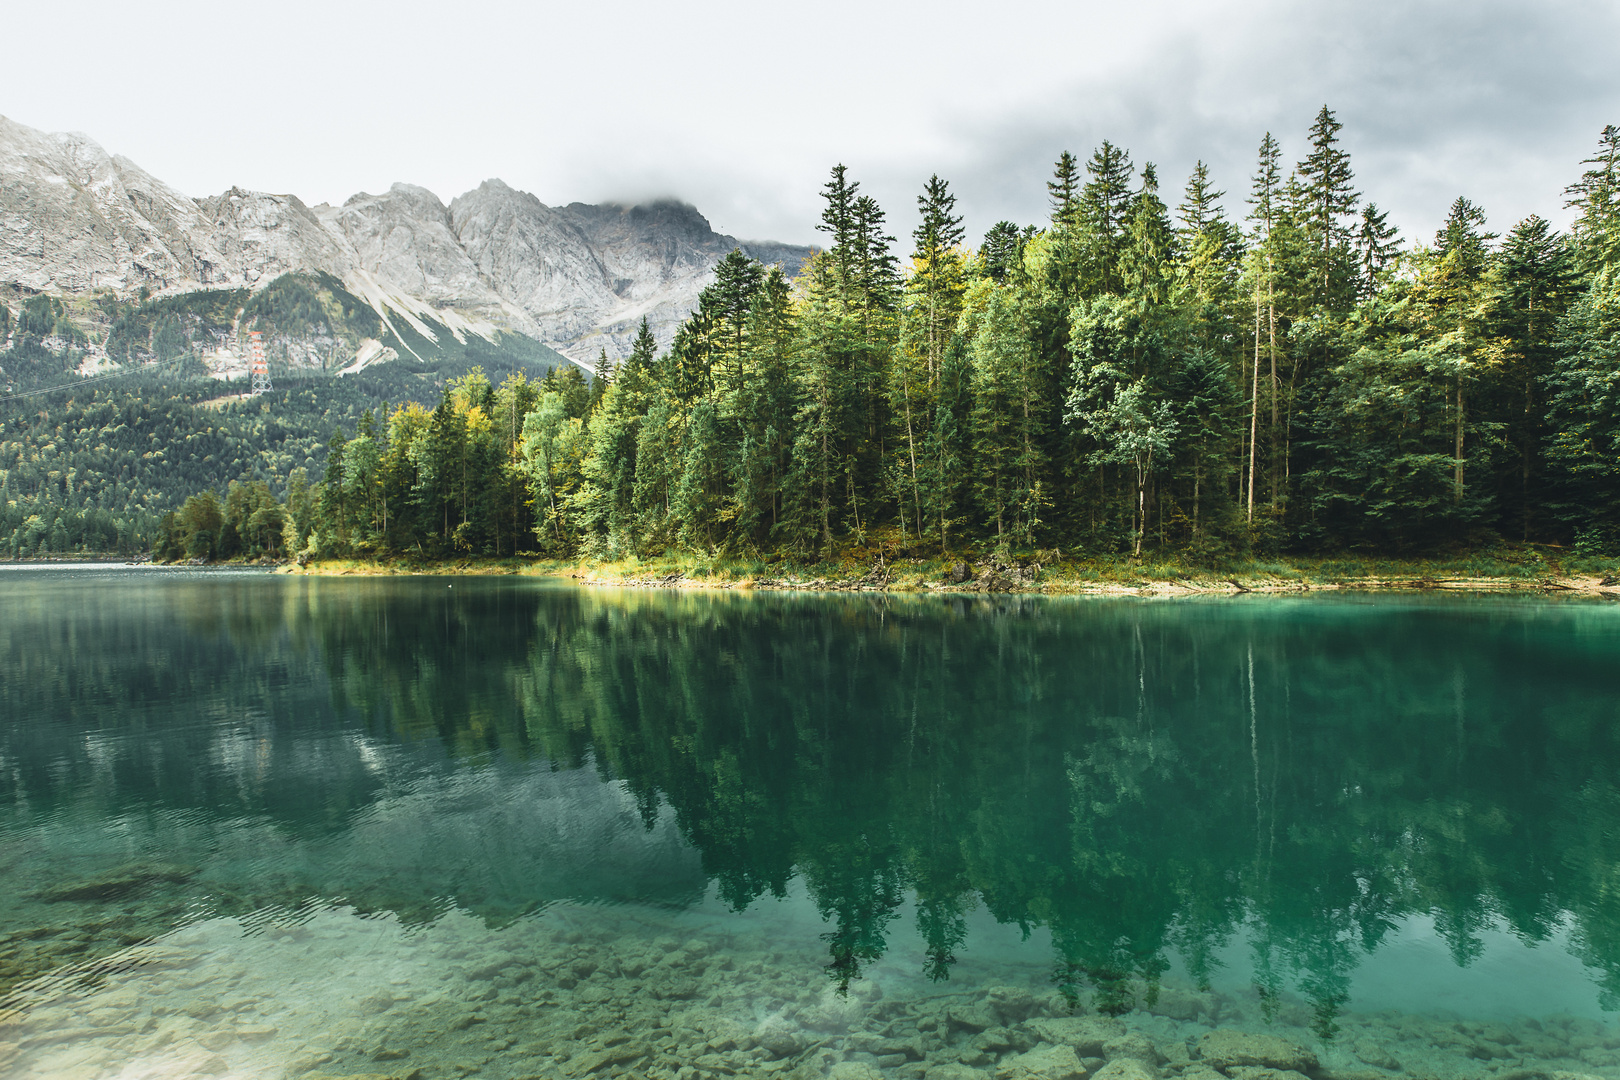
1147,781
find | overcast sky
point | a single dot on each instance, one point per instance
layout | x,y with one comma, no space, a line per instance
741,108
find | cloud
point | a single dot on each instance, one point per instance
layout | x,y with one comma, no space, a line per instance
742,109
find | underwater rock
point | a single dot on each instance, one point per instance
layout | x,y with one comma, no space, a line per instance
1044,1063
779,1038
1133,1045
1011,1004
1375,1053
854,1070
1124,1069
117,884
1089,1035
1260,1072
953,1070
1182,1005
1227,1047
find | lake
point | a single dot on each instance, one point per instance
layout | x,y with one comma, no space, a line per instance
255,825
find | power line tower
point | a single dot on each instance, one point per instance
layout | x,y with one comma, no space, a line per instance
257,363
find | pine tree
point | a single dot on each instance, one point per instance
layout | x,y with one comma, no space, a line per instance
1265,194
1328,205
1449,292
1210,250
933,302
838,222
1146,262
1534,287
1001,251
737,280
1008,418
1597,196
1063,189
1105,217
1583,413
1377,244
937,281
763,409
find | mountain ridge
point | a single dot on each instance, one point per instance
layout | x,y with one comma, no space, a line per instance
578,278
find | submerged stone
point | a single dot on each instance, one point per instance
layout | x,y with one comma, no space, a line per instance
1227,1047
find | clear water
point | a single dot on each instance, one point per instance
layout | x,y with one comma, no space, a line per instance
270,827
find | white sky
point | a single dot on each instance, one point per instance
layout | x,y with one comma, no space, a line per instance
741,108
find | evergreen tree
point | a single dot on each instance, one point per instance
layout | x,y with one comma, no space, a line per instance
1533,288
763,409
1104,216
1265,197
1449,291
933,302
1001,251
1584,415
837,271
1327,204
1147,263
1063,190
1008,420
1377,244
1210,250
1597,196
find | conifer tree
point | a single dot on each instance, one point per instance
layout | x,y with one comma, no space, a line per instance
1210,249
605,499
1000,251
838,222
1063,190
1105,217
1583,413
1149,255
1008,418
933,302
1265,195
1534,286
763,410
1328,203
1597,196
1377,243
1449,291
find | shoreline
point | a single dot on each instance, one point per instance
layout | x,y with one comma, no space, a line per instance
994,576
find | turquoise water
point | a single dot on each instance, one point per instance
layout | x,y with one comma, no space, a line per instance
263,826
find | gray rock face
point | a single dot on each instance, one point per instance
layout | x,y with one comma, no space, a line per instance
589,274
72,218
260,237
580,277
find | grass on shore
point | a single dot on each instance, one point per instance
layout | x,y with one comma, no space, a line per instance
1525,565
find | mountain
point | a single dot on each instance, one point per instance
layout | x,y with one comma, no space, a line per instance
577,278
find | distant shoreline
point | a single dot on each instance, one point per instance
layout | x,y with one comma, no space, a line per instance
1003,576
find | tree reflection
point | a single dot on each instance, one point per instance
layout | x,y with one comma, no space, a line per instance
1144,780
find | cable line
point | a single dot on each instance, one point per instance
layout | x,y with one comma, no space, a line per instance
94,378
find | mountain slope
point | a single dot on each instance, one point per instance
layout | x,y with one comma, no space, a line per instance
579,278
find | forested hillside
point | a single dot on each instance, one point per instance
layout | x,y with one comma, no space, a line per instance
90,464
1275,371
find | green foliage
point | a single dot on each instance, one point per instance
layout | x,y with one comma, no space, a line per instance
1125,381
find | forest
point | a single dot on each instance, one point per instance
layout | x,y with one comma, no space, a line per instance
1123,378
91,465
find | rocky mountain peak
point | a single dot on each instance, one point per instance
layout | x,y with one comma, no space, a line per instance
579,277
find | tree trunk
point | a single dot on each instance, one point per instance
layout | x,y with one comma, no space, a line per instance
1254,404
1457,463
